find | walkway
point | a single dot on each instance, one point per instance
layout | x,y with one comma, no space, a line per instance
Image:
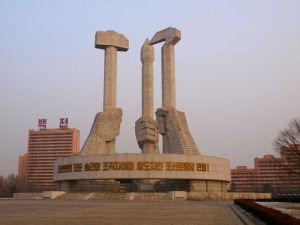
76,212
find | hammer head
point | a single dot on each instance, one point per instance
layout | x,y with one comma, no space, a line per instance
170,36
111,38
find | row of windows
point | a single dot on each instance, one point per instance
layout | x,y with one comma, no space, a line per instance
42,173
49,159
42,166
63,151
37,166
270,162
39,181
49,133
49,151
243,177
275,173
244,174
266,177
32,172
41,162
279,181
33,169
41,176
42,139
40,186
279,166
283,170
35,158
43,159
50,146
50,138
54,141
241,182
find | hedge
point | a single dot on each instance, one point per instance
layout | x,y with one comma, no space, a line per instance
268,215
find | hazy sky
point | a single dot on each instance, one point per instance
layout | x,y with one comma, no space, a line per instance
237,70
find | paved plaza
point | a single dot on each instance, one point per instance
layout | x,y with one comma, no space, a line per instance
78,212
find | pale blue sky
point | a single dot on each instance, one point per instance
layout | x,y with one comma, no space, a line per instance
237,69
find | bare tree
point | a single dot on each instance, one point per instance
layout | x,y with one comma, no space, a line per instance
289,138
10,185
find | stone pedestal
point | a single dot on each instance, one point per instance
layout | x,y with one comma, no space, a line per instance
198,185
89,186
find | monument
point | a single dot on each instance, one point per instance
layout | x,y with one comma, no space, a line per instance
178,166
106,126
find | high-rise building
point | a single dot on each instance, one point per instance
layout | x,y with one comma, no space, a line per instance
22,166
44,147
271,174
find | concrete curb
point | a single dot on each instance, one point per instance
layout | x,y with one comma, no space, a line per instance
246,220
241,216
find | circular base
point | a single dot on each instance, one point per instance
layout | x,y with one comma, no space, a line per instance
142,166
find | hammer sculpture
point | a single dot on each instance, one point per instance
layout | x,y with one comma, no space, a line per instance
106,126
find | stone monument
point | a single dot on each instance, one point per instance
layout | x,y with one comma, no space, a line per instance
178,166
172,123
106,126
146,128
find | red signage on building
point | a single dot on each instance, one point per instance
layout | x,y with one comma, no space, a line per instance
63,123
42,124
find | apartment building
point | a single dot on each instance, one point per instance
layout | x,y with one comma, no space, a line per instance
270,174
44,147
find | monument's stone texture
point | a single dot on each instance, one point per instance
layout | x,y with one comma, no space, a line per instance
146,128
171,36
172,124
174,128
106,126
111,42
105,39
147,58
105,129
146,131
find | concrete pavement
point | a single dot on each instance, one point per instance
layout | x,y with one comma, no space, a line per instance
91,212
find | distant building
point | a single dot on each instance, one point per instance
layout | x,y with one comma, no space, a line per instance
44,147
271,174
22,167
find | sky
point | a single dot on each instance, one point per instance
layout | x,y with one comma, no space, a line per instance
237,70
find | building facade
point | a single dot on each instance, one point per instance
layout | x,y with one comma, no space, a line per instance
44,147
22,167
270,174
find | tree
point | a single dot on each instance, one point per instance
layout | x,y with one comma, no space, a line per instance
12,190
287,144
289,138
10,185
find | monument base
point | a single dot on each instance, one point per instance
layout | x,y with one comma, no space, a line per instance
141,186
142,173
88,186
